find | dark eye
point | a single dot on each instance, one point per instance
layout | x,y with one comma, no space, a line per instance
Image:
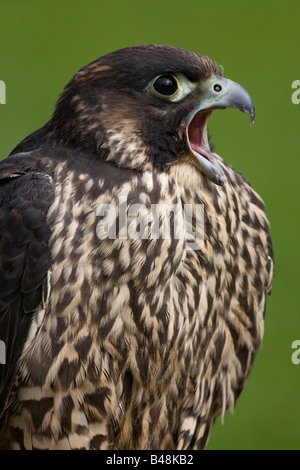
165,85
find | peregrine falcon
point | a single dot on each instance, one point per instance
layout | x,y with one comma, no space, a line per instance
119,335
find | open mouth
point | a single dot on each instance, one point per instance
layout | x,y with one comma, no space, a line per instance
220,93
197,134
197,138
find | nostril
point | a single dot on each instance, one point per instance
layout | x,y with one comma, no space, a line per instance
217,87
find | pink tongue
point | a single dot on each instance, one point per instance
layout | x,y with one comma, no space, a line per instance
195,131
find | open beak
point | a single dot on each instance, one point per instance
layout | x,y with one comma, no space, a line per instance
221,93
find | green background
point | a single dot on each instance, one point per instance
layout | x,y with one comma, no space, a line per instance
42,44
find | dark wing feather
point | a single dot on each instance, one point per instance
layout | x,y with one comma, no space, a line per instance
24,260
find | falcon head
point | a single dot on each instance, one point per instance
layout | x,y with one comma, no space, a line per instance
148,106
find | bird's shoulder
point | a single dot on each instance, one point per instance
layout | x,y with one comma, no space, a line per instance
26,193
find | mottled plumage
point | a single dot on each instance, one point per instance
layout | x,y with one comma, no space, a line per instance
127,343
